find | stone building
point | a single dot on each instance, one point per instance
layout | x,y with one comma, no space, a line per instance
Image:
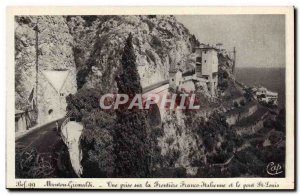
54,85
207,66
175,78
20,121
264,95
45,70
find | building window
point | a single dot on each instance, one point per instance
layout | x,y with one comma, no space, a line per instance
62,94
172,79
198,59
204,61
50,111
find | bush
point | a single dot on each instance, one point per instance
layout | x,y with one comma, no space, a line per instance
242,103
89,20
30,164
235,104
169,140
164,172
96,139
223,85
97,144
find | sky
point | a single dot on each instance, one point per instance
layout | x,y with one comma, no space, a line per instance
259,39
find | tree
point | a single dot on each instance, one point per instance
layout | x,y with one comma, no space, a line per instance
248,94
222,79
242,103
235,104
96,140
130,136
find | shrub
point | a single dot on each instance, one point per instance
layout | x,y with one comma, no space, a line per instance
89,20
96,139
242,103
235,104
169,140
30,164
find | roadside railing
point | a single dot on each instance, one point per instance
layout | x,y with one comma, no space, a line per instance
63,125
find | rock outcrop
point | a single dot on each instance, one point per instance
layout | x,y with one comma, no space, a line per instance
159,42
54,54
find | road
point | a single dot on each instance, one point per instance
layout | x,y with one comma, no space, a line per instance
43,139
51,148
154,86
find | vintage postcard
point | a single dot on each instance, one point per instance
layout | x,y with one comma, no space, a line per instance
150,98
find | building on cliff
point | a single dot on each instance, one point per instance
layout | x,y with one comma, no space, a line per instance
264,95
206,71
53,87
20,120
45,70
207,66
175,78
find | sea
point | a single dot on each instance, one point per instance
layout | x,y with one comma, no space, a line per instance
271,78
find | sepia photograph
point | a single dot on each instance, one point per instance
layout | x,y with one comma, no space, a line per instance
149,96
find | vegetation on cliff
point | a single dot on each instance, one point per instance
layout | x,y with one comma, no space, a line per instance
131,145
158,42
97,136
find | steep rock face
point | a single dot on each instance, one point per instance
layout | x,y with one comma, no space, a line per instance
91,48
159,41
24,60
179,145
54,53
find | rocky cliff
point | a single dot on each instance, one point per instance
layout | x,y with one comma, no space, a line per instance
159,41
55,45
91,46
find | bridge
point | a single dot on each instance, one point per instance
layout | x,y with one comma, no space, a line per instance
71,130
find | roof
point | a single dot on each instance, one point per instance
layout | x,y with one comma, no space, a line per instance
206,48
272,93
56,78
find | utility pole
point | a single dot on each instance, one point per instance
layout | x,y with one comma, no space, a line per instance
36,29
234,59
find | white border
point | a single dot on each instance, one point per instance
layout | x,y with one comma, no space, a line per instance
284,183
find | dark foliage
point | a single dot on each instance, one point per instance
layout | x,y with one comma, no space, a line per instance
23,20
131,145
96,139
179,172
223,77
194,42
89,20
235,104
280,122
248,94
30,164
242,103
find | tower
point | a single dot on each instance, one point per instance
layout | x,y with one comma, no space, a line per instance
207,66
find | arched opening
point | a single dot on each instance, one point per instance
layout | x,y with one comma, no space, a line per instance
154,117
50,111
